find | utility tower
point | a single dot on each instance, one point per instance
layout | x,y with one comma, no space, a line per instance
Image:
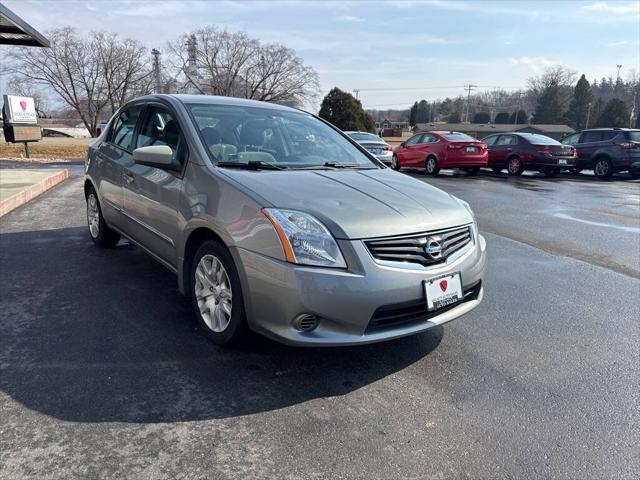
157,80
469,88
357,92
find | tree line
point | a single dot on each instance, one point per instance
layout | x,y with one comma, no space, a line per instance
554,97
94,75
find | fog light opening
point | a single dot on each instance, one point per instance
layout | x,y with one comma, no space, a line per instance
306,322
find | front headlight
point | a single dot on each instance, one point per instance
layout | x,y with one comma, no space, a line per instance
304,239
474,225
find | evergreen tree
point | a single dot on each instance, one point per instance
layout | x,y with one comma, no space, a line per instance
413,114
482,117
502,118
579,105
523,118
454,117
345,112
549,108
423,112
614,115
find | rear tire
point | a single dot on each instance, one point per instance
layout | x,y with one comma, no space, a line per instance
216,294
472,171
431,166
602,168
394,163
515,166
99,232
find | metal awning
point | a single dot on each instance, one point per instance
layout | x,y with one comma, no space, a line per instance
15,31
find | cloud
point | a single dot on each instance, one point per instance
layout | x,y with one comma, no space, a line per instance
350,19
537,64
614,8
618,44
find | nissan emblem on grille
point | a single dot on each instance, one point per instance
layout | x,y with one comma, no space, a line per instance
434,247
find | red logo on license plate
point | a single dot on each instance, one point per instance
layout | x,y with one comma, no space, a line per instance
443,285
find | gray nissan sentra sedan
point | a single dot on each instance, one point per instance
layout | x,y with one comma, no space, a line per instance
275,221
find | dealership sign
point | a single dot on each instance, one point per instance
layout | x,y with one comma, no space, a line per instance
19,110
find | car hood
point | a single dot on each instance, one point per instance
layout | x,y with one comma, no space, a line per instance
357,203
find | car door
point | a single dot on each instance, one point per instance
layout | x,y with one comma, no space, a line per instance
490,141
111,158
589,143
503,148
410,151
150,193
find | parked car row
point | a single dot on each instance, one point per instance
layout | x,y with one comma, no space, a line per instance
605,150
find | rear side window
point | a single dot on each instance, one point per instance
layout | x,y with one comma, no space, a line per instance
610,135
506,140
124,128
592,136
634,136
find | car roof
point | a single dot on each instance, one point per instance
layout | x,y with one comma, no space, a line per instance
217,100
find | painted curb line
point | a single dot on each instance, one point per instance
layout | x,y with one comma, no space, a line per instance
32,192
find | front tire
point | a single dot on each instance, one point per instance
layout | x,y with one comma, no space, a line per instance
431,166
99,232
216,294
394,163
515,166
603,168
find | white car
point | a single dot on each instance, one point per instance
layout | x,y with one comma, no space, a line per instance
374,144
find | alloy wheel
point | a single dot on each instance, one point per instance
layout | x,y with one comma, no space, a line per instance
213,293
431,165
394,162
93,215
601,168
514,165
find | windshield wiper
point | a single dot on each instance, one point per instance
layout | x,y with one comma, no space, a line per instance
347,165
251,165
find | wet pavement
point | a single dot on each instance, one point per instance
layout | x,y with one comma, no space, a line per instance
103,373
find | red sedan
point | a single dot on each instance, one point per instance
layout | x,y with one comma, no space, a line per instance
435,150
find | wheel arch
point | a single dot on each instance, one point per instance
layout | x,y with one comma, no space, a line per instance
196,237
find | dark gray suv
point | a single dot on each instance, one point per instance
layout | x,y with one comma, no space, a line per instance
607,151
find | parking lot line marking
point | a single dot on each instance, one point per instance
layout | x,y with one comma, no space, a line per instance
598,224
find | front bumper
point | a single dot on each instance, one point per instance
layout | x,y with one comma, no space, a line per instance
276,293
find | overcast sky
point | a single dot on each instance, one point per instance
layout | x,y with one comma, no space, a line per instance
406,49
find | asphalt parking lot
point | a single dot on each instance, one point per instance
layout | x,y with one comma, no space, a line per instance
104,375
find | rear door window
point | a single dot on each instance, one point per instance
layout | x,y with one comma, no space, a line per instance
609,135
592,136
506,140
124,128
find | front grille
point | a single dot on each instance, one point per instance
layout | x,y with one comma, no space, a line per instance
411,313
413,248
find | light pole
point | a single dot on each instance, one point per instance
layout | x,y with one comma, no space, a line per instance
468,88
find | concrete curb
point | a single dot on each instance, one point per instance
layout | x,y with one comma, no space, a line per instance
32,192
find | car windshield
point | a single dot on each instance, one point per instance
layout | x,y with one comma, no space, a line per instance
458,137
364,137
267,136
536,139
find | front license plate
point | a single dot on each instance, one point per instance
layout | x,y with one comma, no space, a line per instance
471,149
443,291
562,162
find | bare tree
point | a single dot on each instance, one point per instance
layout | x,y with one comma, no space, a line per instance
94,75
233,64
557,75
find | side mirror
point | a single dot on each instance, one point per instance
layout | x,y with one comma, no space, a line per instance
402,144
160,156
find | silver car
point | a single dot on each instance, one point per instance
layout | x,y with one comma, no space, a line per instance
374,145
275,221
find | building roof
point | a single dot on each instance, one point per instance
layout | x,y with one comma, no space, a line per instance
492,127
15,31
